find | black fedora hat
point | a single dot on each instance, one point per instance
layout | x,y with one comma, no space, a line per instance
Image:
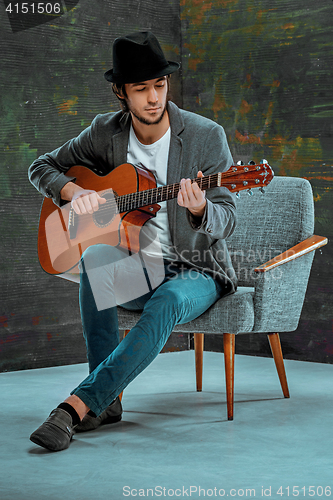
138,57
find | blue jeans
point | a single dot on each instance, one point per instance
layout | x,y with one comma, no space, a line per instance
184,294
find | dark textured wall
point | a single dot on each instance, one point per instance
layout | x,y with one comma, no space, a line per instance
52,87
261,69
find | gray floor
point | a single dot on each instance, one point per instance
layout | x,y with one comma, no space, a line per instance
173,441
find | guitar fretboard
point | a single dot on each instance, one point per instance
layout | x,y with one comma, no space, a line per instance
132,201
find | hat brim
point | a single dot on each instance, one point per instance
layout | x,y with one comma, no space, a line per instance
148,75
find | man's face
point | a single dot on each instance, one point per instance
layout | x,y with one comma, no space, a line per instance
147,100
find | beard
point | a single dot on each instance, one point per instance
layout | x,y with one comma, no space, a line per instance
142,119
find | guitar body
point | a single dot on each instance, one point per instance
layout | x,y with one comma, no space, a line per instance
60,246
132,198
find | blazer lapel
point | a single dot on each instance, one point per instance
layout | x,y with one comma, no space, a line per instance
175,161
120,141
120,144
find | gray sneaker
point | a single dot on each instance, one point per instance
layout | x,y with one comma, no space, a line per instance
56,432
111,415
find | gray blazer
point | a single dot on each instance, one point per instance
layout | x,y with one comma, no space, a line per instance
197,143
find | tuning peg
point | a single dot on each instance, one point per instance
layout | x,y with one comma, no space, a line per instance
264,161
240,163
250,192
237,194
262,189
252,162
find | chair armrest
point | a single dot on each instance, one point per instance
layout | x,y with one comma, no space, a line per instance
280,293
294,252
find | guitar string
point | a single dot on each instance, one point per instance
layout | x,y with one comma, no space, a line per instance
124,203
155,194
151,196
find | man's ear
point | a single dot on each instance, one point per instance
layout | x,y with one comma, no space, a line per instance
119,94
118,91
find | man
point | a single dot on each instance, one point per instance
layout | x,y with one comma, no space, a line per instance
176,145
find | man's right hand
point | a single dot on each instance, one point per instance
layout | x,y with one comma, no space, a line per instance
83,201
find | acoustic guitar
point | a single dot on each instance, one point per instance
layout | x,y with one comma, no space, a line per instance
132,198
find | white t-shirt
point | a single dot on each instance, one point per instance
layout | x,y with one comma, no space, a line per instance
155,158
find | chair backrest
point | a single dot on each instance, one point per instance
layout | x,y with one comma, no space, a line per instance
270,223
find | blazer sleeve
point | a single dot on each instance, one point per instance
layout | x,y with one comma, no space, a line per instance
219,219
48,172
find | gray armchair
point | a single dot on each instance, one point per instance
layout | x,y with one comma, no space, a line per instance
272,250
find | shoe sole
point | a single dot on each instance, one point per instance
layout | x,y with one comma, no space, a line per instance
111,419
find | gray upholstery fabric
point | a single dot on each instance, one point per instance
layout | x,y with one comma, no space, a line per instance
234,312
268,225
280,294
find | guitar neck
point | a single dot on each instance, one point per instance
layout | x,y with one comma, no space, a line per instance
133,201
236,179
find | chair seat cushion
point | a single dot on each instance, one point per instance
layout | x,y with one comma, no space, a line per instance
231,314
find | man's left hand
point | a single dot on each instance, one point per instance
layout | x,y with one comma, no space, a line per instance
190,196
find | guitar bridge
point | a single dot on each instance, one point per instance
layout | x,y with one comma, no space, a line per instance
72,227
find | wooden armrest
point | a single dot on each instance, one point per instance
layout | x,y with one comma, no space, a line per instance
292,253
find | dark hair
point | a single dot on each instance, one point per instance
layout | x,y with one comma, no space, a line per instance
120,92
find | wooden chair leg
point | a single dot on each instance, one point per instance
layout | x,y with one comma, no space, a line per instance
274,341
229,363
198,348
121,394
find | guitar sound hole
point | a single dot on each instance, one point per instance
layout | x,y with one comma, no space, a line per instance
106,212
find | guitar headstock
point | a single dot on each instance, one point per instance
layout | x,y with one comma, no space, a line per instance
246,177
